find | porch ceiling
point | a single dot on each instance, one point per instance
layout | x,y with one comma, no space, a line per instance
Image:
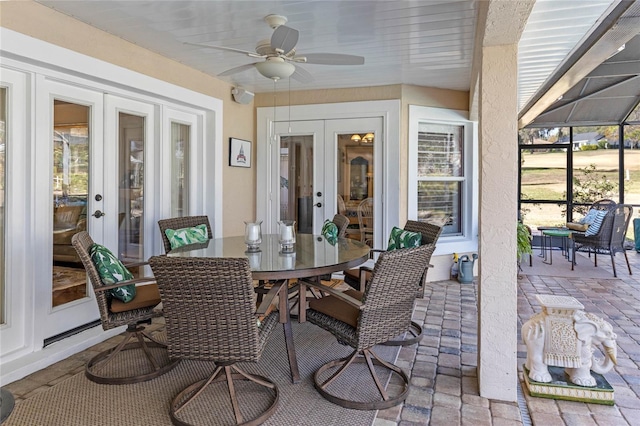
426,43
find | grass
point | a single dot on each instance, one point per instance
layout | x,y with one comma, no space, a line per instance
544,178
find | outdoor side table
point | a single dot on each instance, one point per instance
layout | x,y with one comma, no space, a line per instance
547,237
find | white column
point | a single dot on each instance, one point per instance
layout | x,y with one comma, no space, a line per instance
497,300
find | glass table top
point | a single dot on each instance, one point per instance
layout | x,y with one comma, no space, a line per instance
313,255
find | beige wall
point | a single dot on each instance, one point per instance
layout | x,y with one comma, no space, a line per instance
41,22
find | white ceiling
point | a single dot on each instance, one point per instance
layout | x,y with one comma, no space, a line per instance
421,42
426,43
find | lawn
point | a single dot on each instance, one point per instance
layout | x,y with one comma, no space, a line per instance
544,177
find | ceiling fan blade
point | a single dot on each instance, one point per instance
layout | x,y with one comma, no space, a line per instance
228,49
331,59
302,75
236,70
284,38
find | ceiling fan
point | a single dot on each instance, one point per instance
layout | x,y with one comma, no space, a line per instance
279,54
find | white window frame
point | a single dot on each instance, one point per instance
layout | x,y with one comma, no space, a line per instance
468,240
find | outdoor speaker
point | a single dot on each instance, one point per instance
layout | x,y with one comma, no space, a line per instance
242,96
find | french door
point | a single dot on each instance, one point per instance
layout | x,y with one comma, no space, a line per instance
69,177
316,163
90,176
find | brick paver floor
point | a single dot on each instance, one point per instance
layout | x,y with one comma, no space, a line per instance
444,387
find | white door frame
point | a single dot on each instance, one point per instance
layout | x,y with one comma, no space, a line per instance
389,152
18,216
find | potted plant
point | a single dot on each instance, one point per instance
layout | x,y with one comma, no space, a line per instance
524,241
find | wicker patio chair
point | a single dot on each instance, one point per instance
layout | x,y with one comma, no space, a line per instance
363,320
210,316
134,359
358,278
179,223
609,239
342,222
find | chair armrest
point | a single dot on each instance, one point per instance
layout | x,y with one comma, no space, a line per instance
127,282
136,264
372,251
340,295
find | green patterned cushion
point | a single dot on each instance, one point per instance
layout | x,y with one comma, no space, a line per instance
185,236
330,231
400,238
111,271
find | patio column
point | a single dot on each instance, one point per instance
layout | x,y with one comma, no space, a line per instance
497,299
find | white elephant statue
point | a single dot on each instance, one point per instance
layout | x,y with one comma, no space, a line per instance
568,341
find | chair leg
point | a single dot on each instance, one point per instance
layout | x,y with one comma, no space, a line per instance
229,374
627,260
613,263
371,359
136,333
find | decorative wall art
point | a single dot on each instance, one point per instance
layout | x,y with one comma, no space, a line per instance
239,153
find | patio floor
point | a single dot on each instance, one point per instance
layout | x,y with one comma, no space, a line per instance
443,365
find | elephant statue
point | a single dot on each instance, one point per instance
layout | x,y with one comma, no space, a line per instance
568,341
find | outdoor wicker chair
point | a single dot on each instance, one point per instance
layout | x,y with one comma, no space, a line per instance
210,315
121,365
358,277
363,320
179,223
342,222
609,239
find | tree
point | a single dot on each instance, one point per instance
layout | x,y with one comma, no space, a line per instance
590,186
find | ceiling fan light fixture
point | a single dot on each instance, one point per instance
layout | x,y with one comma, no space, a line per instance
275,70
356,138
368,137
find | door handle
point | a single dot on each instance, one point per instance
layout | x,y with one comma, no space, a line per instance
318,204
98,214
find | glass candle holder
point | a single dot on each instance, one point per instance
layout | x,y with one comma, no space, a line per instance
287,260
255,259
287,235
253,235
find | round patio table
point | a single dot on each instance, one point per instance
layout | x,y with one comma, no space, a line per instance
311,257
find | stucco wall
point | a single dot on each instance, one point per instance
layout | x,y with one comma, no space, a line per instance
46,24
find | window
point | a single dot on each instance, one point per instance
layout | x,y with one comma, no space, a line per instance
441,184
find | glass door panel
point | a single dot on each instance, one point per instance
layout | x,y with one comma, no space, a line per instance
296,181
350,181
355,171
180,137
131,145
70,189
3,147
300,184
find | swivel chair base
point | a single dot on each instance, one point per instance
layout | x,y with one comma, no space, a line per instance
371,359
414,336
95,368
229,374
